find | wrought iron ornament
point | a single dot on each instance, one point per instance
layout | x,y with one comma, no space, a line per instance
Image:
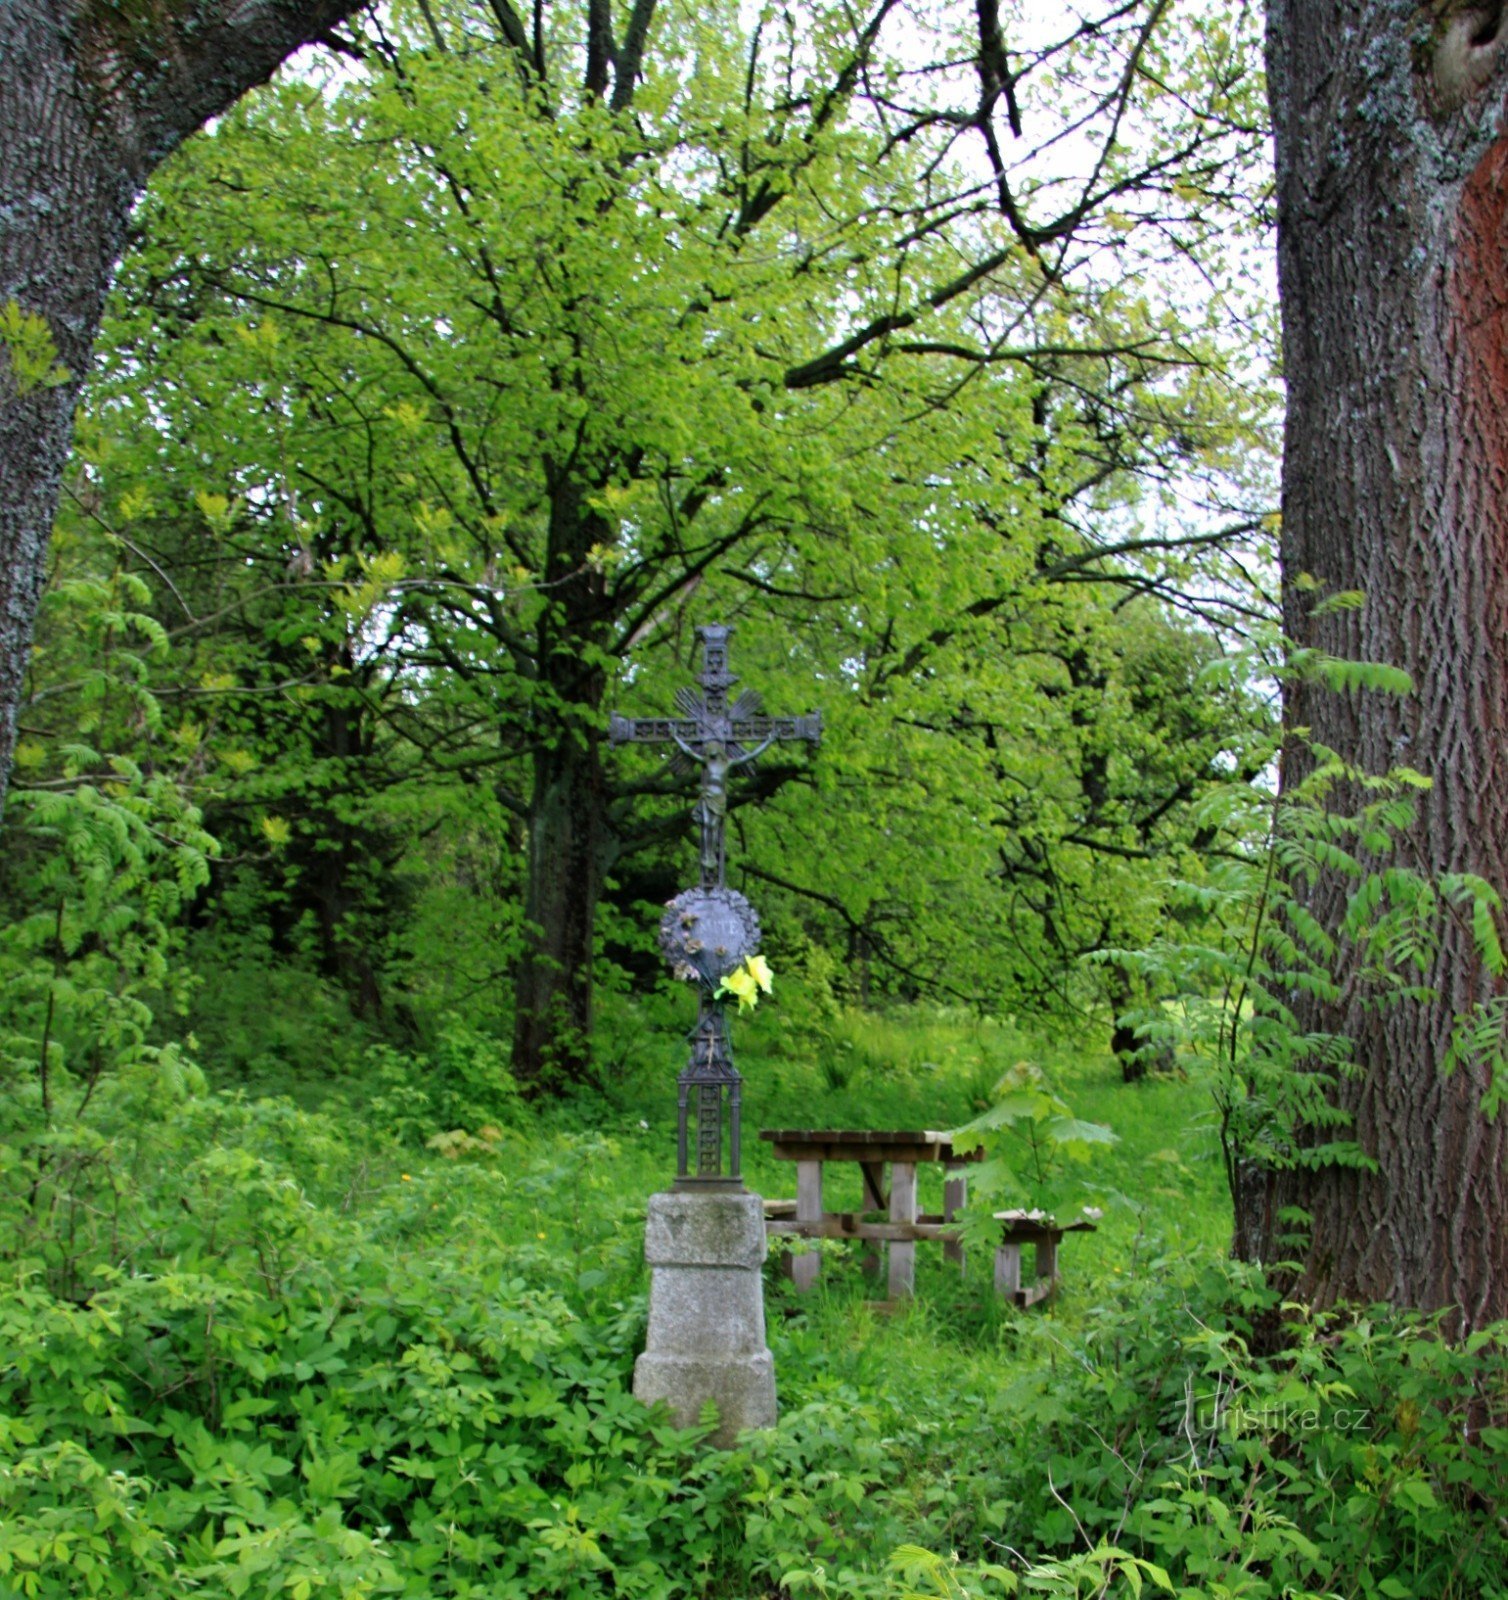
708,932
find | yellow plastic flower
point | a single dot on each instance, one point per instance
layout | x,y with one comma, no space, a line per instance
747,982
742,983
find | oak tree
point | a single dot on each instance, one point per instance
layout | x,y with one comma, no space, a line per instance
1393,253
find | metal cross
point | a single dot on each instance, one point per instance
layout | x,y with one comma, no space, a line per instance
717,737
707,932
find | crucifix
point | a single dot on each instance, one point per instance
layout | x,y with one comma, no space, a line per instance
711,734
709,932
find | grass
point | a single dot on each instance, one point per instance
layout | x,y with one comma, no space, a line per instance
805,1064
956,1345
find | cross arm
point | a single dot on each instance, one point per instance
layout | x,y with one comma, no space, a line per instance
753,730
651,730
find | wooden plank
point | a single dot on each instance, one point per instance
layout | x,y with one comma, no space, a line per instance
852,1136
820,1150
804,1269
903,1210
1008,1271
1047,1262
1039,1220
853,1144
848,1225
955,1198
775,1210
875,1199
1028,1235
809,1191
1034,1232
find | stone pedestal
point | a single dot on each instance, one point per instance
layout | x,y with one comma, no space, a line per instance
706,1312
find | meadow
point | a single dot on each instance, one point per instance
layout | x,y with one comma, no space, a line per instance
323,1346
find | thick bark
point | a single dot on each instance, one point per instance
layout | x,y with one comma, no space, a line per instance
553,992
1393,260
93,95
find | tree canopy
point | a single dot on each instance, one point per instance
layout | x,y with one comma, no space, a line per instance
475,384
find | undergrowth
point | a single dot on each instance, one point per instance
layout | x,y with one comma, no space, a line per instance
256,1350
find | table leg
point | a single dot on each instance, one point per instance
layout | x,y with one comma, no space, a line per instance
804,1268
1008,1271
1047,1262
955,1198
902,1209
875,1199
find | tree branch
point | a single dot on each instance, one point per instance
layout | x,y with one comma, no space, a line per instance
832,364
631,56
599,46
874,941
171,67
511,26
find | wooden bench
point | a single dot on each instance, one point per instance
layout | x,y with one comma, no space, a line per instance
1044,1233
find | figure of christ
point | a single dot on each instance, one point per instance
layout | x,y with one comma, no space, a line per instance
712,808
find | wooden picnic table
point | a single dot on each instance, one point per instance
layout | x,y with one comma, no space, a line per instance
902,1151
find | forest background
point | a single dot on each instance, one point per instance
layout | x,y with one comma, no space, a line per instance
439,403
447,384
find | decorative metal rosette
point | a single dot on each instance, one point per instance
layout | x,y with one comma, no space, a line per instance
708,933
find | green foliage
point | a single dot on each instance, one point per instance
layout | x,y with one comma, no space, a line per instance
269,1025
29,352
258,1350
1348,1463
462,1086
705,347
102,854
1031,1140
1313,888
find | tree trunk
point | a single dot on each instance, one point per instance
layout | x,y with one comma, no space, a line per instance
93,95
553,996
569,836
348,861
63,219
1393,262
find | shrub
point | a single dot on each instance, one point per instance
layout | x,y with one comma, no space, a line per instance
1358,1460
462,1084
